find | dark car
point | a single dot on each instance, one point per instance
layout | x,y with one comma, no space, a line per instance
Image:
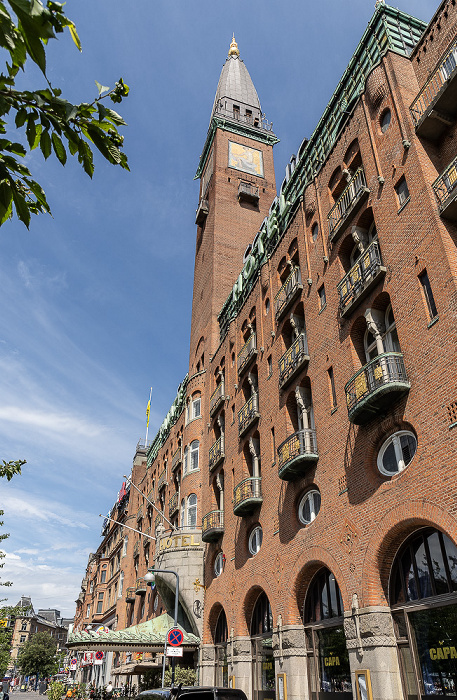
192,693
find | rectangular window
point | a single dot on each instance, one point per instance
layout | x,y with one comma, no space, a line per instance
103,576
270,366
273,445
196,408
331,381
88,611
322,297
428,294
401,188
100,603
23,638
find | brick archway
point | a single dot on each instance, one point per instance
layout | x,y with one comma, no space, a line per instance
400,522
244,612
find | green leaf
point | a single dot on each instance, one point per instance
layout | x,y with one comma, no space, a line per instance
31,129
115,117
59,148
74,36
45,144
39,129
22,208
85,157
6,201
21,116
101,88
16,148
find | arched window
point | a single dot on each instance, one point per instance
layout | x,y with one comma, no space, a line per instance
324,598
192,510
390,340
262,647
220,640
423,597
262,618
221,631
183,512
194,451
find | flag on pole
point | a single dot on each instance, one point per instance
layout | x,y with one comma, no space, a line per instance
148,409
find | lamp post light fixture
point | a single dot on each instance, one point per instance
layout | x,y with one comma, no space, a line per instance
149,577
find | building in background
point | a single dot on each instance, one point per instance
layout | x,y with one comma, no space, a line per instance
306,469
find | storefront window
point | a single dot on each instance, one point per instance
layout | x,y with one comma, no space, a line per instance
262,650
220,640
328,659
425,570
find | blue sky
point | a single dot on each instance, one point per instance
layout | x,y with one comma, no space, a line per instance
95,302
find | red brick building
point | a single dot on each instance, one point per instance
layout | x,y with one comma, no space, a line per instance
314,439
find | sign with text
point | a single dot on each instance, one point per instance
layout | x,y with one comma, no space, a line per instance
175,651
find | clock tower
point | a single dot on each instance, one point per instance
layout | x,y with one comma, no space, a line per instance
237,186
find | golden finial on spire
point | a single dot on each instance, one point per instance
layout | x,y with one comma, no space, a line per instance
233,51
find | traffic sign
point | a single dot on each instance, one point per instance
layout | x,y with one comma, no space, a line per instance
175,651
175,637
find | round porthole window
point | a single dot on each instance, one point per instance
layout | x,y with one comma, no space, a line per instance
397,452
219,564
309,507
255,540
385,120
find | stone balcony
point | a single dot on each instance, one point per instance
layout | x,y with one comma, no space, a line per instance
296,454
162,480
247,496
202,212
247,353
248,415
216,453
376,386
435,108
247,192
130,594
445,189
363,276
173,504
293,360
213,526
289,291
140,586
348,203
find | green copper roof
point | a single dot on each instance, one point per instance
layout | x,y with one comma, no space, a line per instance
145,636
388,30
177,407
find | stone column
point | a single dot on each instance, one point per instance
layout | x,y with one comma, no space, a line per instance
240,663
290,658
371,644
208,664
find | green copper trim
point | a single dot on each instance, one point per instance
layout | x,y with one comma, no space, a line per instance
250,132
177,407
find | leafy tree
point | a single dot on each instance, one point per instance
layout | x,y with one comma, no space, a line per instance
38,656
186,676
55,691
49,121
9,469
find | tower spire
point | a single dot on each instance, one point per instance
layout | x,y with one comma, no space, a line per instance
233,51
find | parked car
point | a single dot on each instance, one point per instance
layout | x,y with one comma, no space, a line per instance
192,693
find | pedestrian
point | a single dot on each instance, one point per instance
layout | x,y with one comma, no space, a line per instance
42,686
109,691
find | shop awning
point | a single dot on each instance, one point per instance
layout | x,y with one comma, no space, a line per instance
136,668
147,636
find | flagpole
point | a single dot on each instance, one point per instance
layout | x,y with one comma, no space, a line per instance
148,409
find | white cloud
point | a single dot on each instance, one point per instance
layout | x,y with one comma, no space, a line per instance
34,509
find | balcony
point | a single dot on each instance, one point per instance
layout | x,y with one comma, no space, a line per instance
375,387
289,291
247,496
247,353
202,212
136,549
216,453
296,454
173,505
141,586
213,526
150,496
146,540
361,278
247,192
293,360
217,398
162,480
445,190
435,107
158,519
130,595
139,513
351,199
248,415
176,459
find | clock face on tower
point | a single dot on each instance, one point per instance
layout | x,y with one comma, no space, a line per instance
248,160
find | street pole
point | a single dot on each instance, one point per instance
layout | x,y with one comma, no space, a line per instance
150,578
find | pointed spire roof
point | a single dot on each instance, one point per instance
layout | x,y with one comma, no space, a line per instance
235,84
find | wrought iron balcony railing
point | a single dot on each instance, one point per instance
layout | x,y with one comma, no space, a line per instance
247,495
158,519
141,586
249,119
248,192
139,513
435,107
216,453
296,453
288,292
162,480
445,189
202,212
151,496
217,397
248,414
293,360
144,539
176,459
173,504
213,525
375,386
247,353
136,549
130,595
361,278
348,202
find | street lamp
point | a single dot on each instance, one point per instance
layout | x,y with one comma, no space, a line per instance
150,579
